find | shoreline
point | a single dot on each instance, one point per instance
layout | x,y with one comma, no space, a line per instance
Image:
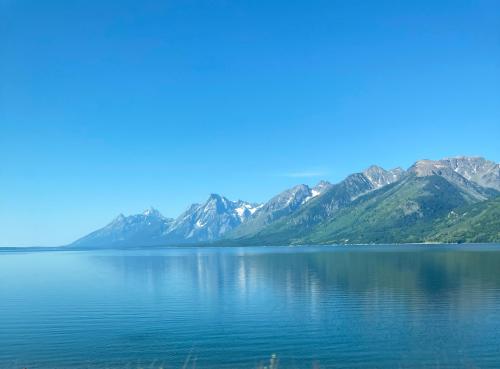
197,246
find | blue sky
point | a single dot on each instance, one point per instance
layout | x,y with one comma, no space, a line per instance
110,107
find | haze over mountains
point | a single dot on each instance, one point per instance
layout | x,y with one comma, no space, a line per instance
448,200
200,222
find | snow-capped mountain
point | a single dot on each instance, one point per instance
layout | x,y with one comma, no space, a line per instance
483,172
210,220
379,177
476,169
291,199
449,170
200,222
317,190
427,187
142,229
282,205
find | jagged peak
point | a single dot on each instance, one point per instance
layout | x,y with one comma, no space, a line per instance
426,167
299,187
443,161
217,200
380,177
119,218
477,169
215,196
151,212
476,162
322,183
374,168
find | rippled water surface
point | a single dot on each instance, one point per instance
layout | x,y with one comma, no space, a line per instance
314,307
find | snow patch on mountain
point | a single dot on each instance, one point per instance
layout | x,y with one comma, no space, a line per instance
210,220
379,177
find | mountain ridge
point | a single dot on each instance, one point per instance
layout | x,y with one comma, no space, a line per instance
372,206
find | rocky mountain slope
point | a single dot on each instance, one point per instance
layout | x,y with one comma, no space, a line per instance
447,200
199,223
364,209
211,220
484,172
282,205
405,211
144,229
332,199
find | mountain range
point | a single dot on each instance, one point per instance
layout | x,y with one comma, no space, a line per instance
449,200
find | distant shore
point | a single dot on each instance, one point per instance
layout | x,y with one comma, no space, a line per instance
185,246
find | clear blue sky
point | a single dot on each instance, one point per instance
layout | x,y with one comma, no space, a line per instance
110,107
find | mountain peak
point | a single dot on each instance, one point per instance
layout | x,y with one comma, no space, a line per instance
452,182
210,220
217,202
475,176
323,183
374,168
151,212
119,218
427,167
379,177
476,169
320,188
218,199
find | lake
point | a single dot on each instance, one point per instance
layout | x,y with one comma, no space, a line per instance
313,307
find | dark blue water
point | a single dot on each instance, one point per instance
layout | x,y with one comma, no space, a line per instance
330,307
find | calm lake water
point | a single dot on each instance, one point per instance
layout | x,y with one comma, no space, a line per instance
328,307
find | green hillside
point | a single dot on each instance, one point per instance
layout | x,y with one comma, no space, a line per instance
476,223
415,209
404,212
292,228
